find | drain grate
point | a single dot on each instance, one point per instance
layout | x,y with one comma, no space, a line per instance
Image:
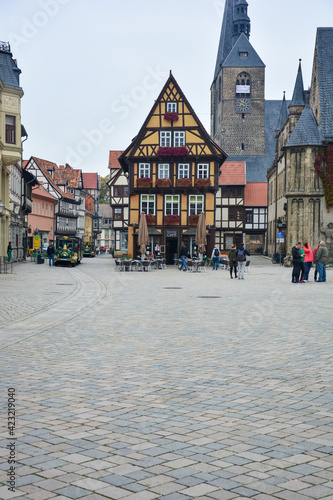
209,297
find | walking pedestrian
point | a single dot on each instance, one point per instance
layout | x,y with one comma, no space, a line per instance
308,259
301,251
233,263
315,264
241,259
296,262
183,254
50,252
9,251
321,258
215,256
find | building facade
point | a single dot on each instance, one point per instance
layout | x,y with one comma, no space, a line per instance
119,202
10,139
300,179
173,169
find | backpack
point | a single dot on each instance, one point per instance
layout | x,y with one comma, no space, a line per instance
240,255
216,252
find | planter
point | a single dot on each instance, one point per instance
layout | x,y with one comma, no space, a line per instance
184,182
169,151
171,116
193,220
143,182
202,183
171,220
162,183
151,219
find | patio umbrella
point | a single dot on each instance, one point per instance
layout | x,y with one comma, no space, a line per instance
200,235
143,238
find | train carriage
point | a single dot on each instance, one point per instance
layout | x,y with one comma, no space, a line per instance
68,251
89,249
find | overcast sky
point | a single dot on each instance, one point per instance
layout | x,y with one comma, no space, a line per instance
91,69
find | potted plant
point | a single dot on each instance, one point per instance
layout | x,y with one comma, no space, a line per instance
163,183
185,182
143,182
151,219
193,220
202,183
171,116
171,220
170,151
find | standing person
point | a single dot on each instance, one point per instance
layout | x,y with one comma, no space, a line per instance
183,254
9,251
241,259
321,258
296,262
301,251
233,263
316,267
215,256
50,252
157,250
308,259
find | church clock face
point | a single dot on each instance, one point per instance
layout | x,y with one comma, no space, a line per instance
243,105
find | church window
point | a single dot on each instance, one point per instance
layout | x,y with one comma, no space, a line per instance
242,28
243,85
171,107
165,139
220,89
243,147
235,28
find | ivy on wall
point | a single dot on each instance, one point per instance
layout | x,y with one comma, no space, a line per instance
324,169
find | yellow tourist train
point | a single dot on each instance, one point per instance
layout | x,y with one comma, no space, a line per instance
68,251
89,249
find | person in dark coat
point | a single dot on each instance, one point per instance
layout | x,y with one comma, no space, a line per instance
50,252
233,263
296,262
183,254
9,251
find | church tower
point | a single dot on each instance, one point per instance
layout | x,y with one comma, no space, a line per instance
238,107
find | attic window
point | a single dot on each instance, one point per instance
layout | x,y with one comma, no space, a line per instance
243,54
171,107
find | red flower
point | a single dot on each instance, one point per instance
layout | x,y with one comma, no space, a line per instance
171,116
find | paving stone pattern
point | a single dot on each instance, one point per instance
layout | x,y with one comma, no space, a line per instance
166,384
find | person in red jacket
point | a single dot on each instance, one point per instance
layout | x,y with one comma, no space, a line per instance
308,259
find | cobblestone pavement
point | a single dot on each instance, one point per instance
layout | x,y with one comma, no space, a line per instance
166,384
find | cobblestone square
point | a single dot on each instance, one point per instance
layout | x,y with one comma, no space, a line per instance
165,384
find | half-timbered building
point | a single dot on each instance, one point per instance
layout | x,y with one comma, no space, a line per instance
173,168
119,201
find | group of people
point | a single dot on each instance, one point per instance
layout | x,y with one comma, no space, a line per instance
237,260
303,258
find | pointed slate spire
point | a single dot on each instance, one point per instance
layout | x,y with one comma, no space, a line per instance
241,22
298,98
225,44
306,132
283,113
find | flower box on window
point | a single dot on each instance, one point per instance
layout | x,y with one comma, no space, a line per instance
143,182
185,182
171,116
202,183
151,219
169,151
193,220
162,183
171,220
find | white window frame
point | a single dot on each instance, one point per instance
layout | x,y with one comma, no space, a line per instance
174,201
172,107
163,171
179,139
203,170
165,139
197,200
183,170
148,204
144,170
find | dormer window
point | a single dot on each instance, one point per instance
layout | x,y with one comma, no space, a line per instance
171,107
243,54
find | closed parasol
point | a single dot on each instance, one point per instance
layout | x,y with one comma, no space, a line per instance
143,238
200,235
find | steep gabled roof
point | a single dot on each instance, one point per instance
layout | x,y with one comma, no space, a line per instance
90,180
214,149
255,194
306,132
235,58
105,210
70,176
41,191
113,158
283,113
324,44
233,173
